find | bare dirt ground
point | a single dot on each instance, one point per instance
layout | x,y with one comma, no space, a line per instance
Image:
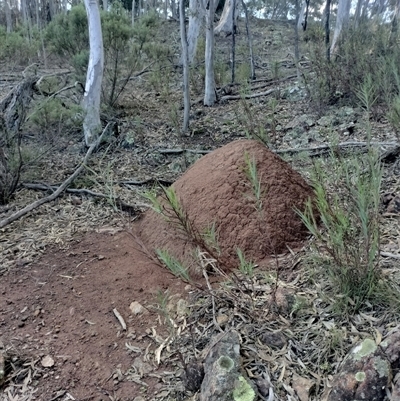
62,307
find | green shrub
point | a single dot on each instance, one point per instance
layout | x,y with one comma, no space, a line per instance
362,51
347,233
52,116
15,47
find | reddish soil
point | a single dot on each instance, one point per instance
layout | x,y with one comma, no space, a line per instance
63,305
216,190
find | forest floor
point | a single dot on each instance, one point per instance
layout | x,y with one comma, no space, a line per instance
68,267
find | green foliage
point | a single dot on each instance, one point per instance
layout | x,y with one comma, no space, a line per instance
210,237
246,267
347,206
254,129
125,48
173,265
394,115
254,180
364,56
67,34
155,203
53,115
15,47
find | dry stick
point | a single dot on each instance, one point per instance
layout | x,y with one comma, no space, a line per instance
236,97
324,148
317,149
83,191
60,189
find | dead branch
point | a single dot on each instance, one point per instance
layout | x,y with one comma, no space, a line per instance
323,149
237,97
179,150
14,105
119,203
61,188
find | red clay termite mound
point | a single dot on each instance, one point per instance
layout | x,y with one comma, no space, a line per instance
217,190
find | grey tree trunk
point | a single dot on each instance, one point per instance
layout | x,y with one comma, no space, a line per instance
7,10
229,14
209,93
357,13
233,42
327,28
249,41
342,19
133,12
196,17
186,95
301,16
105,5
91,99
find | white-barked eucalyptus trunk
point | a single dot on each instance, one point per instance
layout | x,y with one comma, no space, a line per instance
91,99
185,62
196,17
342,18
225,23
209,92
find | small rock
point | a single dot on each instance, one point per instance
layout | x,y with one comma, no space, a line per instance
222,319
136,308
275,340
302,386
47,361
182,307
142,367
193,376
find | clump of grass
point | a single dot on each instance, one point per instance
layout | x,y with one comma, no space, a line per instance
254,180
246,266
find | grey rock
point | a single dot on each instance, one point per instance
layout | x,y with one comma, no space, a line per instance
223,380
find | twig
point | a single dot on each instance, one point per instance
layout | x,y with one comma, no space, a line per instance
60,189
325,148
389,255
120,319
83,191
237,97
212,299
178,151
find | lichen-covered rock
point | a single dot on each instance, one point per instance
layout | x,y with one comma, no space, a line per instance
391,347
363,376
223,380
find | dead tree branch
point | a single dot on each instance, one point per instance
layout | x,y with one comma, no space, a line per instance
61,188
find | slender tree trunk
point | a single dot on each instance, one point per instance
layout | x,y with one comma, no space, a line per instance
233,41
365,10
196,16
7,10
342,19
296,37
209,94
173,10
249,41
91,100
186,96
357,12
105,5
133,12
26,19
327,33
166,9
